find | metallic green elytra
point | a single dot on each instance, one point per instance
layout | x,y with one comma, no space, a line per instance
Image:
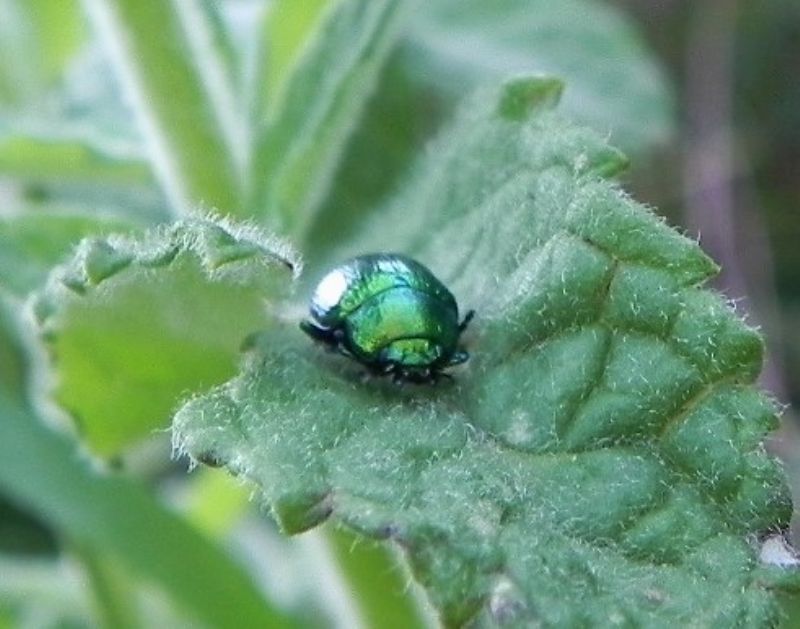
389,313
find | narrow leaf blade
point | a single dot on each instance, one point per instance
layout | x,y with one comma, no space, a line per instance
113,515
38,38
302,138
179,87
45,160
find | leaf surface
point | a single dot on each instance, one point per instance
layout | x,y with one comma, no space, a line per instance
378,582
115,318
599,459
32,243
13,363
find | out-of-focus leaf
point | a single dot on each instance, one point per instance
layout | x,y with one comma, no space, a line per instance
46,594
614,84
41,471
135,324
22,534
59,31
215,502
316,107
45,160
32,243
178,83
598,461
377,582
37,40
79,147
114,592
379,156
13,362
288,28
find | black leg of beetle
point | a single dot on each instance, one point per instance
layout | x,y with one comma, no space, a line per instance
437,376
392,370
465,322
338,344
399,377
318,334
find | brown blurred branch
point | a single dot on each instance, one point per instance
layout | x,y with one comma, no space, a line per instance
721,204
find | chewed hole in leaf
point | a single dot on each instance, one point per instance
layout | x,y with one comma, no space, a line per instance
115,315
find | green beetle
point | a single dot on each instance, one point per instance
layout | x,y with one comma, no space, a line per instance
391,314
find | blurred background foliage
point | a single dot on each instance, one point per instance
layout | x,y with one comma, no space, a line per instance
703,97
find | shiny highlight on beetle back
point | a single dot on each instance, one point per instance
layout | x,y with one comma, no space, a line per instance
345,288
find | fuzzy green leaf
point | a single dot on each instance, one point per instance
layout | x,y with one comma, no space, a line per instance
32,243
597,462
308,120
134,324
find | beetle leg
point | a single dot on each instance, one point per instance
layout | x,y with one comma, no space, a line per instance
398,377
317,333
441,375
465,322
338,344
